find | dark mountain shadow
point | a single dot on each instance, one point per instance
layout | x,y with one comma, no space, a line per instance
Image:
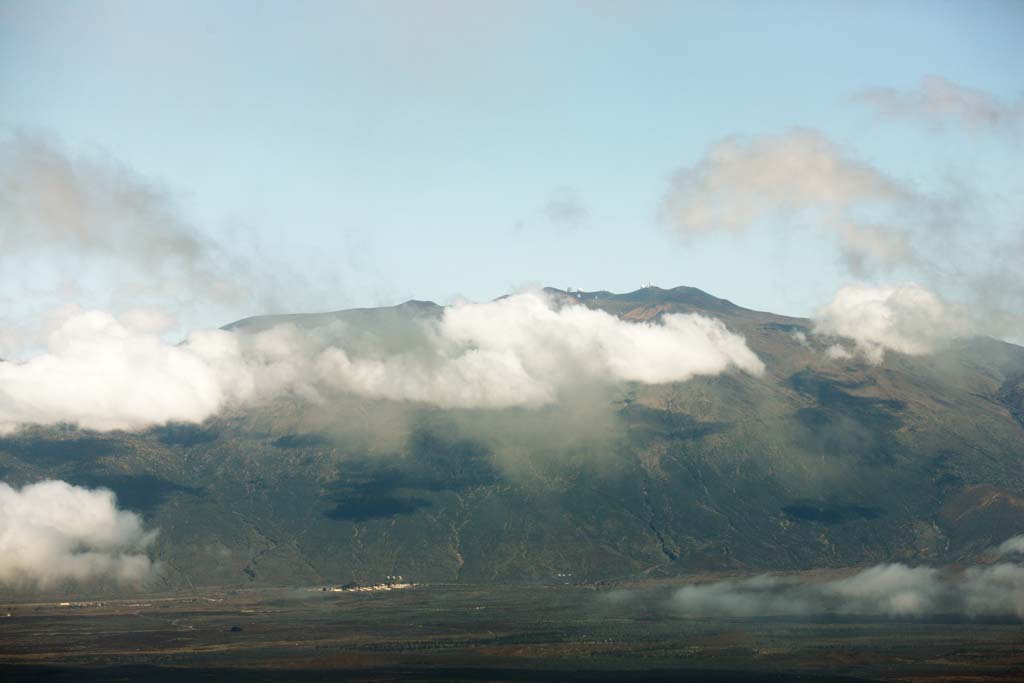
50,451
139,492
645,422
366,507
444,464
382,486
843,423
829,514
1011,395
183,434
302,441
788,328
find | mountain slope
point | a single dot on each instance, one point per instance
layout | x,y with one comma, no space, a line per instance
818,462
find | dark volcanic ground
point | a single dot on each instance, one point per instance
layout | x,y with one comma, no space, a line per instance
476,633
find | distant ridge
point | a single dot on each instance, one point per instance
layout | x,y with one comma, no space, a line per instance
690,297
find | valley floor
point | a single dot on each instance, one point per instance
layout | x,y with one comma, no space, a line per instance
478,633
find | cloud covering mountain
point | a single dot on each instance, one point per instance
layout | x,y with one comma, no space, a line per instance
908,319
105,372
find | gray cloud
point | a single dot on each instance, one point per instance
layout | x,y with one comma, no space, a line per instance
52,532
939,101
48,199
564,207
91,230
86,228
802,180
797,177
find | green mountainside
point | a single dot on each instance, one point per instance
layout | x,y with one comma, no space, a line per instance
816,463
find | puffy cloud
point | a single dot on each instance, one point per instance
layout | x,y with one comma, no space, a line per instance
103,372
886,589
523,350
938,100
908,319
798,175
52,532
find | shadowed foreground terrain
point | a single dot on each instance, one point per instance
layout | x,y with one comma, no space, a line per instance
476,633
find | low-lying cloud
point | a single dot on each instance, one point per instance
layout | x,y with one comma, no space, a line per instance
53,533
895,590
105,372
1010,547
907,319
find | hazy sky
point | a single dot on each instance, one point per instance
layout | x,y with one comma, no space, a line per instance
363,153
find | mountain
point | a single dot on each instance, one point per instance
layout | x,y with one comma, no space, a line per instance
817,463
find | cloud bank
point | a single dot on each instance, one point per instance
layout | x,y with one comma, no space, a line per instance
907,319
937,100
52,532
105,372
886,589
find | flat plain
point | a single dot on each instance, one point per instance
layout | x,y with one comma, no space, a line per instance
527,632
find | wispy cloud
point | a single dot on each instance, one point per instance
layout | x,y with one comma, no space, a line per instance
937,100
798,177
565,208
48,199
884,226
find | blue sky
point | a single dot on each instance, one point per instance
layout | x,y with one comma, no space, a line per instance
371,152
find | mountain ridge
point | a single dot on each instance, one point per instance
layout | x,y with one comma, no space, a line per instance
820,462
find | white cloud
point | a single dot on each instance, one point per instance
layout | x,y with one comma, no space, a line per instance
525,351
796,177
52,532
104,372
938,100
908,319
886,589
